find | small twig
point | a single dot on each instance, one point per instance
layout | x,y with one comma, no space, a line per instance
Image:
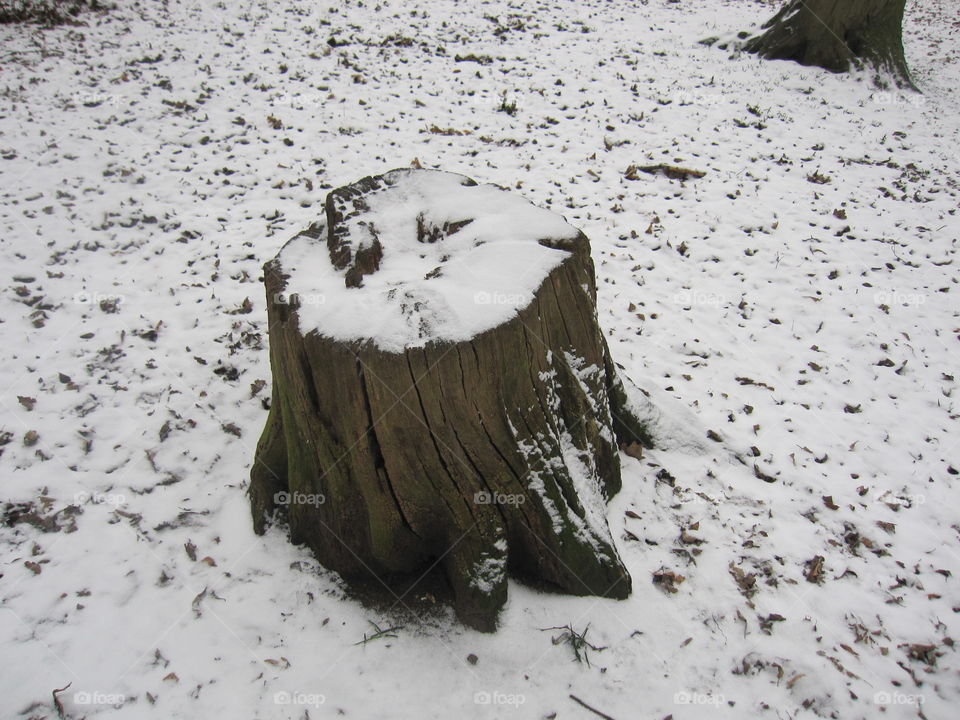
151,457
591,709
56,701
379,633
578,641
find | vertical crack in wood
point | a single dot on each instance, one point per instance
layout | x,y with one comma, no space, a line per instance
374,443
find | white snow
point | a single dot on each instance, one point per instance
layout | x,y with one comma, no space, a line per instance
592,526
139,169
470,281
592,381
532,453
489,571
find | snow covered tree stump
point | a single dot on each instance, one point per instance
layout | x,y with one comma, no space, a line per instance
443,394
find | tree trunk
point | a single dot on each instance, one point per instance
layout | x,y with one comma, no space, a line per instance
837,35
388,453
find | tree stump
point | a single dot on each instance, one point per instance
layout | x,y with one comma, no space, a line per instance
443,394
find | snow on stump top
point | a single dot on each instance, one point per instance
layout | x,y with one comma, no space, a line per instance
443,394
421,256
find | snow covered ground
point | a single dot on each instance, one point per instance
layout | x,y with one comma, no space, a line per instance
797,303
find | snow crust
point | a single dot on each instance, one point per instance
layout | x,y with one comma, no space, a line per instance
490,570
469,281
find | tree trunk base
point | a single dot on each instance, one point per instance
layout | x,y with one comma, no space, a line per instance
837,35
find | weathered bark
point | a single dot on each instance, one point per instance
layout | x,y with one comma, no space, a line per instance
837,35
408,448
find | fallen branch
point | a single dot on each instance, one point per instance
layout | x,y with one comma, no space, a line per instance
591,709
